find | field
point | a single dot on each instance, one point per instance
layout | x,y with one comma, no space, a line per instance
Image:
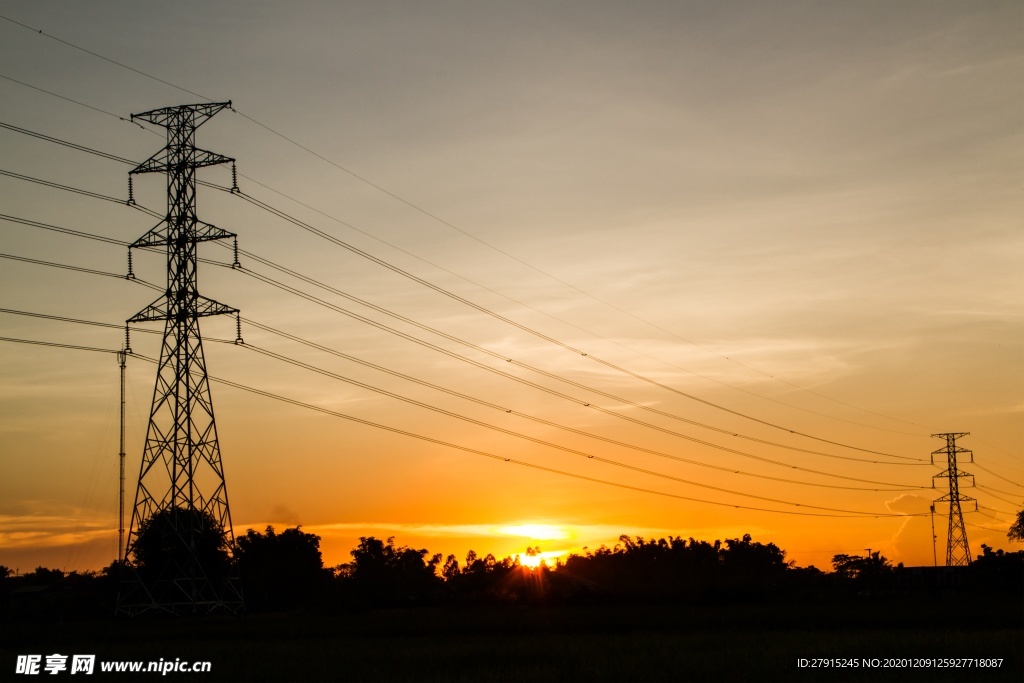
567,643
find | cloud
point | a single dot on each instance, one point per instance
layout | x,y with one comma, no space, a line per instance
909,504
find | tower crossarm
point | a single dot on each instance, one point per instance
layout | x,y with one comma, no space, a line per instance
204,307
160,235
169,116
168,160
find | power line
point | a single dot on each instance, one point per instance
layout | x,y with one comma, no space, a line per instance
79,269
1005,493
67,188
379,261
989,492
549,315
369,321
57,345
428,262
454,227
985,469
286,335
533,368
395,430
485,310
496,355
557,279
66,231
1001,450
1002,512
542,442
65,143
514,433
98,55
845,513
563,282
488,404
68,99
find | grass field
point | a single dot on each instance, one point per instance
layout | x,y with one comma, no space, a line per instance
566,643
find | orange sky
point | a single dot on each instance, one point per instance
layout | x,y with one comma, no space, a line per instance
806,215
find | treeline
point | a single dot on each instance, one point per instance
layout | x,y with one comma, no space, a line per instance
285,571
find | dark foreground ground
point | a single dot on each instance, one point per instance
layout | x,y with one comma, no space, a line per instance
906,640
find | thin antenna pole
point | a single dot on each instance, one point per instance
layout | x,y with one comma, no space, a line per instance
122,357
935,553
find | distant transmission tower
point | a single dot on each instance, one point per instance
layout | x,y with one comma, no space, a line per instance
181,504
958,553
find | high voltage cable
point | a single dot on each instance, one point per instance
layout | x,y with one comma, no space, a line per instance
557,279
985,469
67,231
96,54
248,255
988,491
563,282
483,309
58,186
982,507
486,403
88,235
1005,493
496,355
57,345
549,444
554,317
79,269
68,99
87,193
848,513
286,335
369,321
986,528
324,235
65,143
500,429
78,321
454,227
997,448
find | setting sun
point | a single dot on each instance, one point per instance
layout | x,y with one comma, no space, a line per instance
533,559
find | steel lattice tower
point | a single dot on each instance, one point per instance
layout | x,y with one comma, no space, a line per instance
958,552
181,479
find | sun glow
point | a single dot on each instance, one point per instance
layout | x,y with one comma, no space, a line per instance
536,532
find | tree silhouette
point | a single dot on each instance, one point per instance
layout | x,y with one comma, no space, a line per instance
280,569
450,570
167,540
1016,532
380,572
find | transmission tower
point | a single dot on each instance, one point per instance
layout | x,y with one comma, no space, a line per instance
958,553
181,503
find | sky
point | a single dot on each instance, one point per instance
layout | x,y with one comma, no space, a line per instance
796,223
